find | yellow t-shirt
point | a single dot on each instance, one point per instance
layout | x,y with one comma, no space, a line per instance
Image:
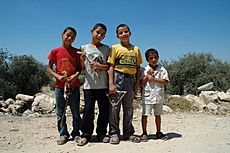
125,59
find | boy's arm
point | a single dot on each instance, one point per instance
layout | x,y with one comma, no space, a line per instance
138,75
73,77
98,66
79,67
146,78
112,87
159,81
82,59
54,74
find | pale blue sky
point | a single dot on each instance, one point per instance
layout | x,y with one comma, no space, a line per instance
174,27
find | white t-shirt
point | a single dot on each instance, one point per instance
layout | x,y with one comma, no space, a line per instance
95,79
153,92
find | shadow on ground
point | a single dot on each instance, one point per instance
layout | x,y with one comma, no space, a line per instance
170,135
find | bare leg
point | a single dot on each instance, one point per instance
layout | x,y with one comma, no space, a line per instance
144,124
158,123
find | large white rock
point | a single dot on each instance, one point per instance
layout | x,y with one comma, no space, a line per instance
209,96
223,96
195,101
43,103
23,97
228,92
167,110
212,107
9,101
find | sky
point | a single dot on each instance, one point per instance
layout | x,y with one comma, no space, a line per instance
173,27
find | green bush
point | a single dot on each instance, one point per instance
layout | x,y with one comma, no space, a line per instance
20,74
28,74
194,70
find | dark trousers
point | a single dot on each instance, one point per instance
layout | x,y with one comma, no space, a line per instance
87,124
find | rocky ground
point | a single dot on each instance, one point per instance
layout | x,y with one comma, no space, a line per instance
187,132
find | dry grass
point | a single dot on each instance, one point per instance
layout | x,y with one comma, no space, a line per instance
178,104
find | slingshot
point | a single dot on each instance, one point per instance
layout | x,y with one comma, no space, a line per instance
114,100
67,93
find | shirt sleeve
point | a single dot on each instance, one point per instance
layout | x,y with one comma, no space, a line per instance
139,58
112,55
165,75
52,56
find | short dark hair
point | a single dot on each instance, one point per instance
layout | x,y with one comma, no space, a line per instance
151,51
100,25
122,25
70,28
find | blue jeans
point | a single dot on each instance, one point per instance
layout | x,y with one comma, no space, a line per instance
123,83
73,102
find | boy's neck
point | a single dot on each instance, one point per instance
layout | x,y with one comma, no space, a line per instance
154,67
95,44
126,44
67,47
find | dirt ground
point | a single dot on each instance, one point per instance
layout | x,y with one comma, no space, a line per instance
187,132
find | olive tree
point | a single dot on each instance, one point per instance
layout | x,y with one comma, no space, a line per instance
195,69
28,74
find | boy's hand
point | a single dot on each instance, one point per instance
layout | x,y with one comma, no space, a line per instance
137,87
95,65
62,78
150,71
149,77
112,88
72,77
83,56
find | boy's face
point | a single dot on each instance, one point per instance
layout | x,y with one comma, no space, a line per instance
123,34
98,35
153,59
68,37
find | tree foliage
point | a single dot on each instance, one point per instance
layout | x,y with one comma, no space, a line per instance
21,74
196,69
7,87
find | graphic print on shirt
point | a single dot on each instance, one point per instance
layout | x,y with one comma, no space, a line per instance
127,61
66,66
93,56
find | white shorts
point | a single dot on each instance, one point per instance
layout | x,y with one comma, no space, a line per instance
147,109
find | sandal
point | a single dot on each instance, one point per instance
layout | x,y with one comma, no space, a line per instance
134,139
161,136
62,140
104,139
82,142
114,139
144,138
77,138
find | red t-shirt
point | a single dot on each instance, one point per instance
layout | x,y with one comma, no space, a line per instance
67,62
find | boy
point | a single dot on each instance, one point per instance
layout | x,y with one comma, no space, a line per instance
67,63
95,55
124,75
153,83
